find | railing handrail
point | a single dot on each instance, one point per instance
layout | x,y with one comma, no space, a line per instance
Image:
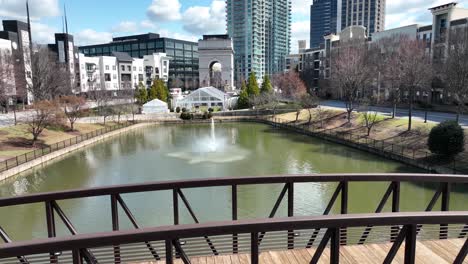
218,182
173,232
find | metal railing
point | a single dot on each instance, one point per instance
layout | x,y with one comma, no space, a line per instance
208,245
37,153
420,158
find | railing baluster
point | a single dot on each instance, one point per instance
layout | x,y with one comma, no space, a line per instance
235,238
275,208
76,256
50,227
410,244
169,257
115,225
396,245
344,210
319,251
175,206
254,241
290,213
335,246
395,208
181,252
6,239
462,254
445,206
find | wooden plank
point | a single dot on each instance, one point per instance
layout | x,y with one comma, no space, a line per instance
278,258
301,257
265,258
426,255
235,259
244,258
210,260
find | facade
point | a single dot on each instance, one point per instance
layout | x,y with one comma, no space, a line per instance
120,73
311,63
367,13
216,61
292,62
7,72
67,53
183,71
17,33
323,20
261,34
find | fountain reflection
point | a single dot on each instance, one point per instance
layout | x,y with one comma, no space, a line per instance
211,149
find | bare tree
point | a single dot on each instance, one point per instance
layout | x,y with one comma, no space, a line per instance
41,117
454,69
416,70
73,107
290,85
370,117
308,102
351,72
50,79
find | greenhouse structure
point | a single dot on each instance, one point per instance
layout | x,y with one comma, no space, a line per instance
203,97
155,107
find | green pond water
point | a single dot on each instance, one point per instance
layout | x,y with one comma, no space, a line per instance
179,152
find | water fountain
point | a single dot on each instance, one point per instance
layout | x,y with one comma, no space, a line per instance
214,149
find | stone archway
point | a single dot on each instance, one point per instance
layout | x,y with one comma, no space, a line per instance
216,79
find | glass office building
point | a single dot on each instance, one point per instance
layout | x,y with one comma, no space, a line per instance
323,20
183,68
261,34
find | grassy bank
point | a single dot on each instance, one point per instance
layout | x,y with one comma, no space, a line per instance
16,140
391,131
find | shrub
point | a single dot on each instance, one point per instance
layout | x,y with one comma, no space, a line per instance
186,116
447,139
211,110
207,115
177,110
184,110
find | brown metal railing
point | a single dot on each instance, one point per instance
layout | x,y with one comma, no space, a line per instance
29,156
173,235
51,202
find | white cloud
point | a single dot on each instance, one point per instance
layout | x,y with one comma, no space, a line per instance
300,30
38,8
176,35
90,36
125,27
42,33
206,19
301,7
146,24
164,10
404,12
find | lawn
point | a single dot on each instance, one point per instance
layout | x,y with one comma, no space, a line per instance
16,140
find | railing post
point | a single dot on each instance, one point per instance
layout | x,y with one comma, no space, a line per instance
344,210
395,209
254,248
445,206
175,205
76,256
115,225
50,220
410,244
169,257
335,246
235,246
291,213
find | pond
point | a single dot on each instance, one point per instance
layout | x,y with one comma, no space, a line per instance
179,152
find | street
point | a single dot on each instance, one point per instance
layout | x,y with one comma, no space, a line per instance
417,114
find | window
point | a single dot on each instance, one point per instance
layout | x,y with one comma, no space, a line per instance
107,77
169,44
119,48
114,76
122,67
107,67
160,44
113,67
140,69
179,53
134,46
140,77
127,47
187,47
134,68
179,46
170,52
142,45
151,45
129,68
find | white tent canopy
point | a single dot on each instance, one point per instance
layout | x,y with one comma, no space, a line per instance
155,106
206,96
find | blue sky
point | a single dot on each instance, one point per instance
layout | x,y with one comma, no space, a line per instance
96,21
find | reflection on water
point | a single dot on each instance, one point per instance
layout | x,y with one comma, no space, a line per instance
162,153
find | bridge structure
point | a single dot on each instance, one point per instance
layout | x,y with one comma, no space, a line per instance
435,235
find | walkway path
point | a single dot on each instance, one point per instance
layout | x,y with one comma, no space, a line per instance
417,114
439,251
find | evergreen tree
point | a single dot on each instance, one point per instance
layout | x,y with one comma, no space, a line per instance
142,94
153,91
243,101
266,85
161,91
252,87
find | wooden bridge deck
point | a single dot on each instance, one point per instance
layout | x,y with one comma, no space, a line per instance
431,252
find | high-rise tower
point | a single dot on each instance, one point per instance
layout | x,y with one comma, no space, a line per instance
323,20
261,33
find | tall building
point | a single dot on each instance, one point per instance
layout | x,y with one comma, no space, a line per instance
332,16
367,13
183,71
323,20
261,33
